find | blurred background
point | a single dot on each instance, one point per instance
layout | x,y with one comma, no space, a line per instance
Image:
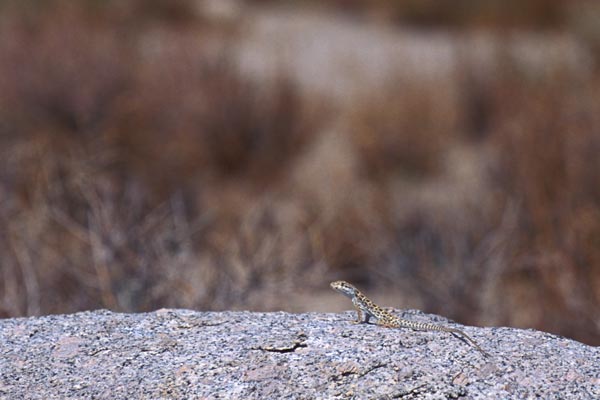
441,155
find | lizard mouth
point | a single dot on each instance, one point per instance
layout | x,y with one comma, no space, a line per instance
341,287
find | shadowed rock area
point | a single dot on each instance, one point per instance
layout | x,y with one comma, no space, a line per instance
185,354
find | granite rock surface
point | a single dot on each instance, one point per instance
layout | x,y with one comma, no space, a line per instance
182,354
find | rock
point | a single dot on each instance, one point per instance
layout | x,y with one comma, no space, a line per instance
184,354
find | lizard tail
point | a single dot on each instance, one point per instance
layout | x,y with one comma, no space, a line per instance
468,338
434,327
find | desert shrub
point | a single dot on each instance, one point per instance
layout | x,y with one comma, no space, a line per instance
403,130
547,137
120,148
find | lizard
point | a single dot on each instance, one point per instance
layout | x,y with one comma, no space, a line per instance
367,309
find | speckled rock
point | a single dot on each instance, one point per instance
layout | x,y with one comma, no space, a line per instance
180,354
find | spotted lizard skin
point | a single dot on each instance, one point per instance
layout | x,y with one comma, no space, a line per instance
367,309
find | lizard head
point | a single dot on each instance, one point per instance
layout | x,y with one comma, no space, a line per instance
344,288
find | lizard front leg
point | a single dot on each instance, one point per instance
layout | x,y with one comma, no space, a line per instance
359,317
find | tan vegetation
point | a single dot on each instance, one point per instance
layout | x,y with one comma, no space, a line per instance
140,168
